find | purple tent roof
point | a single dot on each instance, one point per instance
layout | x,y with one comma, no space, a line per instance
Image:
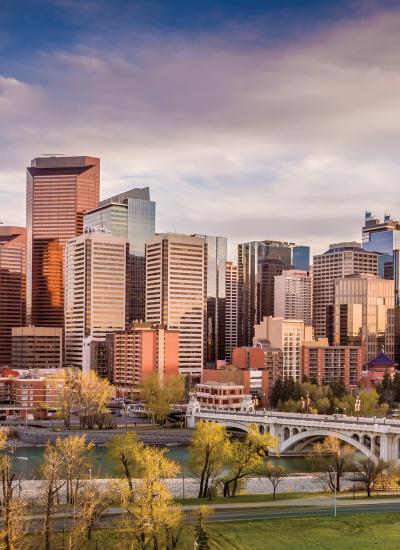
381,360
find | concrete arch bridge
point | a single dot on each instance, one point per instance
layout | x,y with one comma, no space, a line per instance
374,437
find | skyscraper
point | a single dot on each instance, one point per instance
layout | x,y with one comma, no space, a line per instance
231,293
59,191
130,215
95,279
12,286
384,237
216,298
301,258
338,261
293,296
176,293
258,263
361,312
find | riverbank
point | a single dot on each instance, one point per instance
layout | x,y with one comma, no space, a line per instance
188,487
153,436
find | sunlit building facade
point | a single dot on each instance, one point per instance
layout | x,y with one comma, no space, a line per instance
12,286
59,192
176,294
231,293
95,273
130,215
293,295
340,260
362,303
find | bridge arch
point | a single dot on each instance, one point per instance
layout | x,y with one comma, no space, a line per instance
313,434
236,426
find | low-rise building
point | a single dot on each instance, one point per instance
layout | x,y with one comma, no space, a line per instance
376,369
36,347
220,395
24,392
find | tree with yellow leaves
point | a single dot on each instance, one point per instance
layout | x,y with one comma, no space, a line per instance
208,452
160,394
152,515
332,459
75,456
11,504
125,450
245,456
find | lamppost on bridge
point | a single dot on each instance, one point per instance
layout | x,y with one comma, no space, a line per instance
308,402
303,404
357,406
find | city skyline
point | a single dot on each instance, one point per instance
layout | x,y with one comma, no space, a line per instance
274,135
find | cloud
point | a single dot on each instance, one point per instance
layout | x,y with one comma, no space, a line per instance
251,142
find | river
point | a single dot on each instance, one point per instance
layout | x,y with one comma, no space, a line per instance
27,461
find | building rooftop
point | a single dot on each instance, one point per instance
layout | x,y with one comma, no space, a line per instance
381,360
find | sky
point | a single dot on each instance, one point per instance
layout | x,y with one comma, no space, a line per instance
248,119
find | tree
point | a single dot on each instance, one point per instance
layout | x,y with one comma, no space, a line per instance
369,471
11,505
245,456
92,503
126,450
83,393
51,472
160,394
276,393
323,405
94,394
208,451
151,512
201,535
331,453
386,390
396,387
274,473
74,455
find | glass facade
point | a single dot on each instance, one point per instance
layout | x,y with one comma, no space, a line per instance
12,286
258,263
216,298
301,258
130,215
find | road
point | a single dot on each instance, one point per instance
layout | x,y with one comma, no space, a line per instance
308,507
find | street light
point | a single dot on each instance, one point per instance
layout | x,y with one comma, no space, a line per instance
335,482
308,402
183,486
357,406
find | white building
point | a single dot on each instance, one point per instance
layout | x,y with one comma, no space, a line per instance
293,296
231,310
287,335
176,286
95,283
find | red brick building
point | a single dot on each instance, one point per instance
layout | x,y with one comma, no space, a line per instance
324,364
139,351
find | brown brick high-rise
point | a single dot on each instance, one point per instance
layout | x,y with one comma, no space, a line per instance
59,192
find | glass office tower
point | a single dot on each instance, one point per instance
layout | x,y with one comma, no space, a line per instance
258,263
384,237
216,298
301,258
130,215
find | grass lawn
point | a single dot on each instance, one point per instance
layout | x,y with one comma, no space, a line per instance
351,532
